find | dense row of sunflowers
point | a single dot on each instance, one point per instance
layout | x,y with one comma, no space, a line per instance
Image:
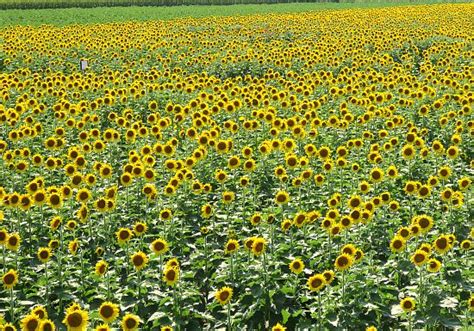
263,172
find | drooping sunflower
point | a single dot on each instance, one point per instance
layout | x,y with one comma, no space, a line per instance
224,295
130,322
296,266
108,311
316,282
76,320
101,268
408,304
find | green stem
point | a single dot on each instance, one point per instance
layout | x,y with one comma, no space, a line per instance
319,311
232,269
12,298
47,284
229,321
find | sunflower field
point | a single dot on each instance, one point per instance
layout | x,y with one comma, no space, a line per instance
307,171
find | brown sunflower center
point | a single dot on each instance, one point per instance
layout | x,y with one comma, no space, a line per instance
74,320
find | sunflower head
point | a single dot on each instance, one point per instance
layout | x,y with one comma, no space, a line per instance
316,282
343,262
30,322
10,279
76,319
296,266
130,322
108,311
408,304
224,295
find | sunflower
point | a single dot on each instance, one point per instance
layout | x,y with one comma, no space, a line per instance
108,311
464,183
286,225
376,175
206,211
433,265
442,244
470,303
425,223
10,279
282,197
101,268
172,263
328,276
316,282
466,245
231,246
76,320
8,327
258,246
171,275
278,327
30,322
159,246
44,254
296,266
224,295
348,249
166,328
139,260
13,242
408,152
228,197
103,327
407,304
343,262
444,172
130,322
452,152
47,325
419,258
73,246
123,235
3,237
40,311
166,214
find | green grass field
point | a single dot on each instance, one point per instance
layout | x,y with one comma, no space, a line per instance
67,16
